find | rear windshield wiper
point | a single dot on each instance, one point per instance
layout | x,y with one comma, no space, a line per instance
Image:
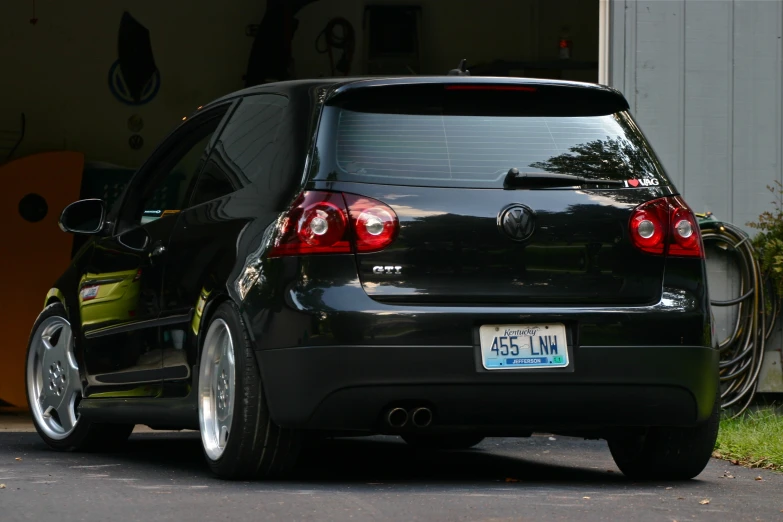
544,179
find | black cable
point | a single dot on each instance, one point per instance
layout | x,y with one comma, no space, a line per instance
332,40
742,352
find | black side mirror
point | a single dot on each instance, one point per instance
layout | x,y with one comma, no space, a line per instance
84,217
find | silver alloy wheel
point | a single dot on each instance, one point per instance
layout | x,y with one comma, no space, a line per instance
53,383
216,389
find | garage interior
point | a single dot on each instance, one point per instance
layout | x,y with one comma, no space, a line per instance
58,57
88,90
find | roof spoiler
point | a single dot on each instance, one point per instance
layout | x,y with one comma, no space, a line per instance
486,96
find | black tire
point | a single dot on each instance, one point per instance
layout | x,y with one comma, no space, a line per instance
256,446
456,441
86,436
667,453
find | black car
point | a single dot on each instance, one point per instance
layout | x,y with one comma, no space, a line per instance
443,259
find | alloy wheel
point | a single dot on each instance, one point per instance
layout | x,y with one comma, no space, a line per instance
53,383
216,389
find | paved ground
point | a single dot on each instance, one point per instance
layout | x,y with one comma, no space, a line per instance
162,476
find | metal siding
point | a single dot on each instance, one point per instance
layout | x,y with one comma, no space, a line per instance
756,108
707,112
617,44
703,79
658,79
707,126
756,105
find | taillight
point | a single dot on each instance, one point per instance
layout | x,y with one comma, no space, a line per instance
321,222
648,226
666,225
375,224
686,238
315,224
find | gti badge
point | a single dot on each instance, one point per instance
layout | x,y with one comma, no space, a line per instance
517,222
388,270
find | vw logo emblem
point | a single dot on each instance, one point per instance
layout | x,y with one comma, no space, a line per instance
119,88
517,222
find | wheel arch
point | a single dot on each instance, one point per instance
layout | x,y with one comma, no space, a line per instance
214,300
55,295
217,298
72,312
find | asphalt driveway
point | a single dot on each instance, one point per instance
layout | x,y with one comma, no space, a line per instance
162,476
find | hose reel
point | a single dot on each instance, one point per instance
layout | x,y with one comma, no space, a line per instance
742,351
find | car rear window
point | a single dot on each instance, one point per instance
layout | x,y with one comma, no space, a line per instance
476,151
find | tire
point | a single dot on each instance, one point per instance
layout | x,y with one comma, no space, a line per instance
459,441
239,437
667,453
54,388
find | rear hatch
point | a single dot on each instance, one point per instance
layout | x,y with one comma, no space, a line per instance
472,229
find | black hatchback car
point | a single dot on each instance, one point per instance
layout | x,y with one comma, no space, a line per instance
443,259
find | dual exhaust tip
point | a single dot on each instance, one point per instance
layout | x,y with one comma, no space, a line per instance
419,417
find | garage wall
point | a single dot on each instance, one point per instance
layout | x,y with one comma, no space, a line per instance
704,80
56,71
455,23
481,31
580,20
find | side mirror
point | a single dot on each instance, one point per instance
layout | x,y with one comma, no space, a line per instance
83,217
137,239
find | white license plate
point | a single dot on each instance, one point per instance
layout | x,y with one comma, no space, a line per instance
519,346
89,292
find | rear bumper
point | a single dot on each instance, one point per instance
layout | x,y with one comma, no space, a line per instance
352,387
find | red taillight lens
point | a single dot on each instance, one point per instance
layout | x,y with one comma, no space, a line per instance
666,225
648,226
321,224
318,223
374,223
686,237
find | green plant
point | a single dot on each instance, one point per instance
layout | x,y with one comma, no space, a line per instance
769,241
753,439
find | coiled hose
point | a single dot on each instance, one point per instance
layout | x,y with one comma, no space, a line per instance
742,352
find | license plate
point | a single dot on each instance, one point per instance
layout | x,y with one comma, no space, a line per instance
519,346
89,292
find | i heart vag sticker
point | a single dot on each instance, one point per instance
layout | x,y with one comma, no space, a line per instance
644,182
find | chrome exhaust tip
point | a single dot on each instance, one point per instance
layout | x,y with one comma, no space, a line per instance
397,417
421,417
